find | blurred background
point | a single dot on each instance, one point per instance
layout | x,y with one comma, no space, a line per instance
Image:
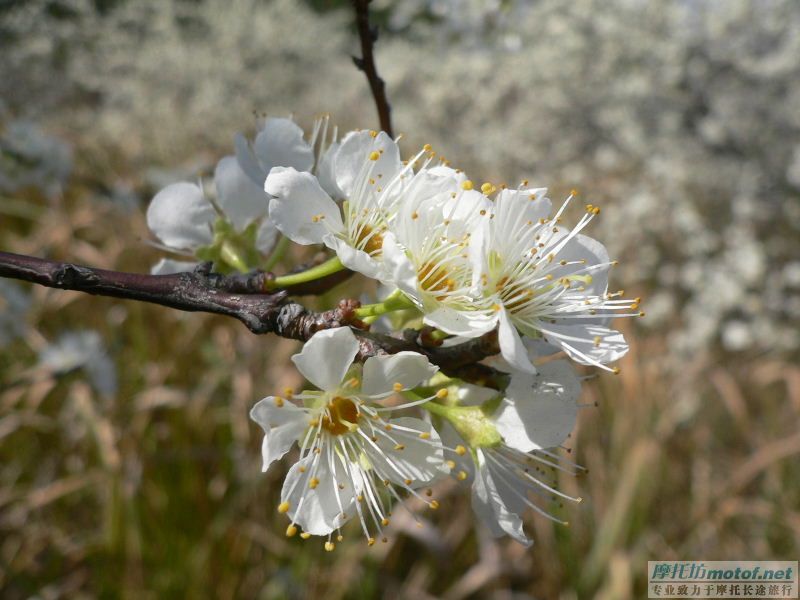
128,465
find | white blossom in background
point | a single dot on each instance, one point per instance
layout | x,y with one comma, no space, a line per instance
29,157
186,220
354,459
14,303
84,350
510,465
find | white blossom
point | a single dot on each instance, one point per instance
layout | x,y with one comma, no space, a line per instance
511,474
185,219
353,461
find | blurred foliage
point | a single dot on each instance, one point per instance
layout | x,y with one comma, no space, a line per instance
155,490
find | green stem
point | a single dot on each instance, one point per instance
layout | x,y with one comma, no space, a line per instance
277,253
329,267
231,256
397,300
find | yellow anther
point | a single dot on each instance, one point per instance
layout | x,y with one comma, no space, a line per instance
374,155
278,401
399,447
496,307
415,215
313,422
573,192
283,507
397,386
641,314
305,535
370,541
451,464
313,483
597,340
339,538
467,185
487,188
352,382
302,469
425,435
291,531
483,212
373,133
360,498
288,392
427,147
408,481
615,370
329,546
596,210
384,521
462,475
441,394
388,427
460,450
549,277
434,504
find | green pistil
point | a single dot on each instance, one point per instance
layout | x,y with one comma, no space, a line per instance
470,422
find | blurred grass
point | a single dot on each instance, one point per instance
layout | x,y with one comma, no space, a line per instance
158,491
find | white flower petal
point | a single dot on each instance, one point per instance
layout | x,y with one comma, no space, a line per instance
353,155
238,196
584,248
381,373
283,423
167,266
420,460
511,345
397,267
280,143
516,205
325,358
496,504
354,259
470,394
539,411
248,161
181,217
319,510
586,343
325,173
464,323
300,208
266,236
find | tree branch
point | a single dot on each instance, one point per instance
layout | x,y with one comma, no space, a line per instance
243,297
368,35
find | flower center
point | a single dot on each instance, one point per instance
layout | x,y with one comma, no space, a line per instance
435,278
369,240
341,416
514,296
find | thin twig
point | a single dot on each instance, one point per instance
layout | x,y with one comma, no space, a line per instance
368,35
243,297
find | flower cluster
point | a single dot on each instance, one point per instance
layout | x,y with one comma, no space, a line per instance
461,260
